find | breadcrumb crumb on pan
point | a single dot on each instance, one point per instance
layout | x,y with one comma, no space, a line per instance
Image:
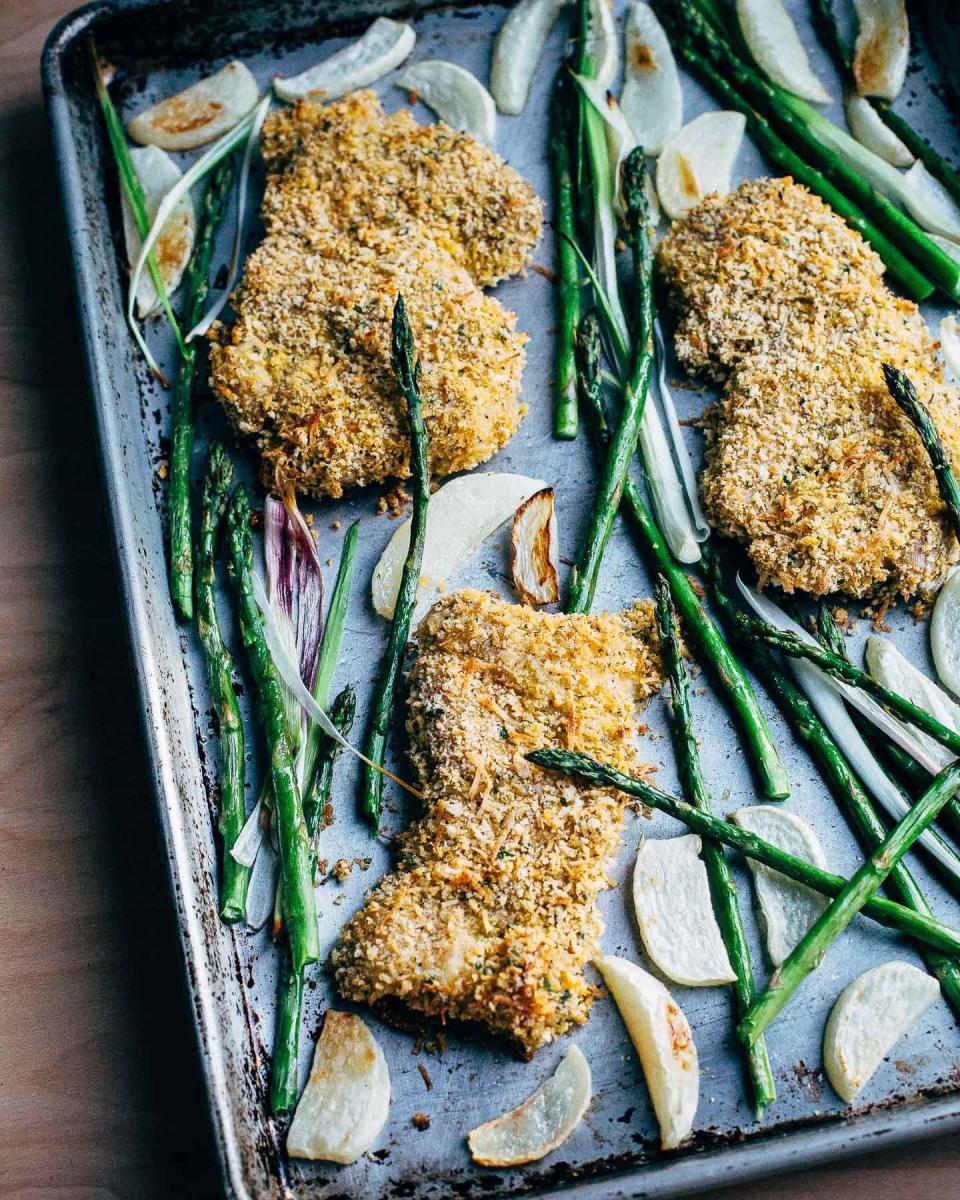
490,914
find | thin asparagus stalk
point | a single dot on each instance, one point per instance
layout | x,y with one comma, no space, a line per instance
808,954
130,182
623,445
846,672
801,124
722,884
840,778
330,651
342,713
234,878
905,394
825,22
927,930
781,155
296,876
708,638
565,417
181,444
406,366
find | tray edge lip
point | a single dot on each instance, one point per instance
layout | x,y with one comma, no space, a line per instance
754,1159
73,25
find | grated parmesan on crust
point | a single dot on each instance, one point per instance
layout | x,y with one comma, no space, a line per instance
809,461
360,208
490,914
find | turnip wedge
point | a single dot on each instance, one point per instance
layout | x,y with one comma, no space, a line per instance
535,548
663,1041
462,515
345,1103
671,897
541,1123
698,161
652,99
787,909
772,38
945,633
871,1015
888,666
456,96
950,341
381,50
883,48
518,49
200,113
158,173
871,131
929,202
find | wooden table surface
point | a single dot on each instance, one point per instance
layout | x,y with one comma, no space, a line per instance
100,1093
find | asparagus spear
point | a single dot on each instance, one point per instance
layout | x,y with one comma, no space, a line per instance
905,394
234,877
181,445
722,884
623,445
825,22
809,952
342,712
923,928
709,640
296,876
406,367
840,778
798,123
565,417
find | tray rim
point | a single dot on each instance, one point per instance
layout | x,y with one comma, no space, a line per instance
697,1171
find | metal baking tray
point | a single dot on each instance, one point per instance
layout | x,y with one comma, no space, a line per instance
160,46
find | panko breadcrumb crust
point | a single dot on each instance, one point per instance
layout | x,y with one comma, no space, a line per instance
809,461
359,208
490,914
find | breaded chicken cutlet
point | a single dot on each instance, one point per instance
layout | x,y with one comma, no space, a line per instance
809,461
306,367
366,168
490,914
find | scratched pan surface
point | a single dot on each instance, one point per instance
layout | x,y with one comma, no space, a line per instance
231,973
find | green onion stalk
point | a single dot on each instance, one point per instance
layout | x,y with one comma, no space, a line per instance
406,367
565,416
809,952
825,22
836,770
722,885
182,438
234,877
862,176
924,929
623,444
295,872
130,182
701,628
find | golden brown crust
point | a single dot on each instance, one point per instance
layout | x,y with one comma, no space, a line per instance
490,913
368,168
808,460
358,209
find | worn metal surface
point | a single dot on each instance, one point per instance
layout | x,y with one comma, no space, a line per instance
231,974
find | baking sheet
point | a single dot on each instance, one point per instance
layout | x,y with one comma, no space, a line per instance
231,973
